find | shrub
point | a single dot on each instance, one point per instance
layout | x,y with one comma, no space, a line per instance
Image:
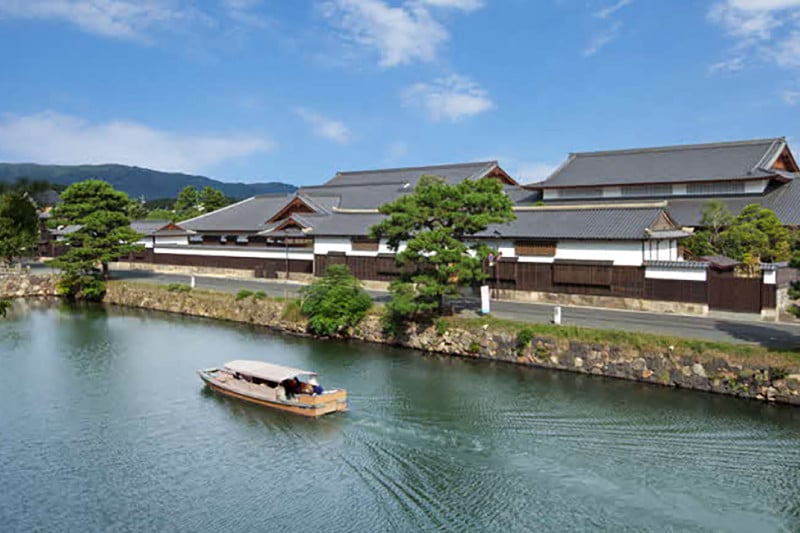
178,287
525,337
291,311
441,326
5,305
242,294
474,347
77,285
259,295
334,302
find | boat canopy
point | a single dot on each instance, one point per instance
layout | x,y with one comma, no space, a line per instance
266,371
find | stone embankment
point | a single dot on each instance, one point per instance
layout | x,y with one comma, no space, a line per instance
25,285
739,376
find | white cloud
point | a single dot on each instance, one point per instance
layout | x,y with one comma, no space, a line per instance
450,98
464,5
744,24
727,65
600,40
56,138
613,8
400,34
121,19
790,96
322,126
787,52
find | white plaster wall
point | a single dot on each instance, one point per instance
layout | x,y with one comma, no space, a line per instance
679,189
685,274
755,186
235,252
147,242
323,245
623,253
612,192
770,277
550,194
172,239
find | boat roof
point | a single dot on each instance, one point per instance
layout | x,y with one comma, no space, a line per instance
266,371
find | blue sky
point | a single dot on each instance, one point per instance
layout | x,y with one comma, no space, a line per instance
295,90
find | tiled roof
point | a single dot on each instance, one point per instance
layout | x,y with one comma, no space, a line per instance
451,173
251,214
669,164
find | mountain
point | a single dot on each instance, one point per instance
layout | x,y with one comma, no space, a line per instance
135,181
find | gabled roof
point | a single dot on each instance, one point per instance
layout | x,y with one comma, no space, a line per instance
453,173
670,164
251,214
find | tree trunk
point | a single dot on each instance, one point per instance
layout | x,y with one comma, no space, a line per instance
105,270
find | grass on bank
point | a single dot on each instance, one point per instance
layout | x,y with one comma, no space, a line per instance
700,349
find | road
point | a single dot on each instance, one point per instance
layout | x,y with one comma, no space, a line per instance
773,335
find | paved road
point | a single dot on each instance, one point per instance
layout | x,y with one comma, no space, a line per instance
769,334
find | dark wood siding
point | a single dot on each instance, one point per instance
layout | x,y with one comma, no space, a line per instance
675,290
365,245
727,292
575,273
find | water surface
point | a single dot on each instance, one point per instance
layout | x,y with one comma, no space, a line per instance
105,426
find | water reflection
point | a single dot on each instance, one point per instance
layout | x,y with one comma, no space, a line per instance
106,426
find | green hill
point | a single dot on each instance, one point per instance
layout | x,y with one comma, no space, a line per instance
135,181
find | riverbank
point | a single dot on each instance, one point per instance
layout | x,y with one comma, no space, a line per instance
738,370
28,285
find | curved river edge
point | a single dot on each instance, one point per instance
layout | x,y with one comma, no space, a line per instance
760,375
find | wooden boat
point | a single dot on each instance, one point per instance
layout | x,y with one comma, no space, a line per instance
280,387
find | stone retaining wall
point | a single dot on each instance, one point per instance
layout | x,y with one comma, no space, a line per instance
25,285
723,374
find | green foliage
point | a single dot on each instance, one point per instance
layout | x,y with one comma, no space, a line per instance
5,305
525,337
178,287
78,284
259,295
434,222
756,233
291,311
212,199
191,202
441,326
242,294
334,302
474,347
19,225
104,235
161,214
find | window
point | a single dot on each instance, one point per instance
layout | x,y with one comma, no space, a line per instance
242,239
361,244
223,239
196,239
536,248
581,192
734,187
646,190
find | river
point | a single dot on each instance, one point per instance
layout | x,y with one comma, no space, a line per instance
104,426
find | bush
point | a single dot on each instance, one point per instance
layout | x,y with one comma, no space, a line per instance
5,305
259,295
474,347
334,302
178,287
525,337
291,311
242,294
82,286
441,326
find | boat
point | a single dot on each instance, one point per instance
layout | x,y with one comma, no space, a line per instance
280,387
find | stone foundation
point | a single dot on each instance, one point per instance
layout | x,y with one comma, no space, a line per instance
610,302
25,285
722,374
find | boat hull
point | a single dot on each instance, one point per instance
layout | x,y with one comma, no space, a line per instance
304,405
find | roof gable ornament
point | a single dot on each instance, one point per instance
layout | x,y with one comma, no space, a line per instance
295,205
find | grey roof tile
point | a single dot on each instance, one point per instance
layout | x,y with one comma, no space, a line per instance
453,173
687,163
251,214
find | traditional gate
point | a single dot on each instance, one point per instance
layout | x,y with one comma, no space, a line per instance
726,292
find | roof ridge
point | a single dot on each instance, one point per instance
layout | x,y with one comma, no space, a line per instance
240,202
446,165
676,147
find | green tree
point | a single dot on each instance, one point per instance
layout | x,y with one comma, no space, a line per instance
187,205
705,240
759,232
19,225
161,214
335,302
435,222
212,199
104,235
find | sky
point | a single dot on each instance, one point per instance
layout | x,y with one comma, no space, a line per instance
296,90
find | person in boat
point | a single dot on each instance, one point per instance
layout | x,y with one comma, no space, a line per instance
316,388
